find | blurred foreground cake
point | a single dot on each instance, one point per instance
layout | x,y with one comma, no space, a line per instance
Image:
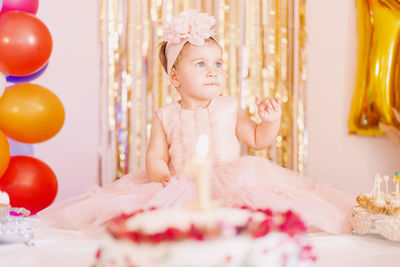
378,211
179,237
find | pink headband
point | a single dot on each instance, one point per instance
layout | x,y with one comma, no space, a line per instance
189,26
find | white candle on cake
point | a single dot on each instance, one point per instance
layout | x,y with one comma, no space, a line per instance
386,179
199,168
373,192
378,181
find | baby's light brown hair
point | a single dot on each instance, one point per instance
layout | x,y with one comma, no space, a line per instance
163,57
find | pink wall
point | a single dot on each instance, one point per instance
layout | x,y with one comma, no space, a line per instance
73,74
346,162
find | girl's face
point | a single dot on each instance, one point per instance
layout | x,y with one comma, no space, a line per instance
199,75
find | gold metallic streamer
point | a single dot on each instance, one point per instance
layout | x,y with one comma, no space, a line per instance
302,140
261,40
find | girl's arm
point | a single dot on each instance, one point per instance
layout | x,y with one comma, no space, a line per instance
157,157
260,136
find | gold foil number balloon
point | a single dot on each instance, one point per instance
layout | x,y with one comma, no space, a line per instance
377,89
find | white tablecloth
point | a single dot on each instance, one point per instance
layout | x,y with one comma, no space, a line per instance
55,247
355,251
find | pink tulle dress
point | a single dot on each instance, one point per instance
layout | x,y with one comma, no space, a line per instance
236,181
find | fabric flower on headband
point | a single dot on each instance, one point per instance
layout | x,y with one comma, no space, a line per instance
191,26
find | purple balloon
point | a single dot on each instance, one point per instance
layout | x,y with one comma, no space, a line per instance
26,78
17,148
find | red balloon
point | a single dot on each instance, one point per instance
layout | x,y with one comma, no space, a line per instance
25,43
30,183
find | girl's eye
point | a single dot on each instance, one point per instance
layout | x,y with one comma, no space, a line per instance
200,64
218,64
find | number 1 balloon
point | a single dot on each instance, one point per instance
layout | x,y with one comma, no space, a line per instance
377,85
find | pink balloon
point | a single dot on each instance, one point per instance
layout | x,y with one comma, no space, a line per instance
30,6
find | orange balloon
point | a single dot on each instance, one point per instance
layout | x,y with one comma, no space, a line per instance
30,113
4,153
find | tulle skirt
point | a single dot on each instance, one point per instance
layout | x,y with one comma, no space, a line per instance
248,181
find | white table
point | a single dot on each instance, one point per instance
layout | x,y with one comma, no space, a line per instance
55,247
354,251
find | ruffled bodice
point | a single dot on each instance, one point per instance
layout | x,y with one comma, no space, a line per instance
183,126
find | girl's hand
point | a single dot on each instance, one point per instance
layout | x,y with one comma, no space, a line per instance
165,179
269,110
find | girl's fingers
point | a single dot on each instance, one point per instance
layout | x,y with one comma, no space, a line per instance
259,103
275,105
277,99
270,106
165,180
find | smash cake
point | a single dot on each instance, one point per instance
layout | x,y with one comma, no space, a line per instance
202,234
182,237
378,212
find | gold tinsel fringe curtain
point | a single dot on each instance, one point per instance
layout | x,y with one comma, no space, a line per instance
263,44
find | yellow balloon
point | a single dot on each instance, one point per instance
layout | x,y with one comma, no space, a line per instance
4,153
377,89
30,113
